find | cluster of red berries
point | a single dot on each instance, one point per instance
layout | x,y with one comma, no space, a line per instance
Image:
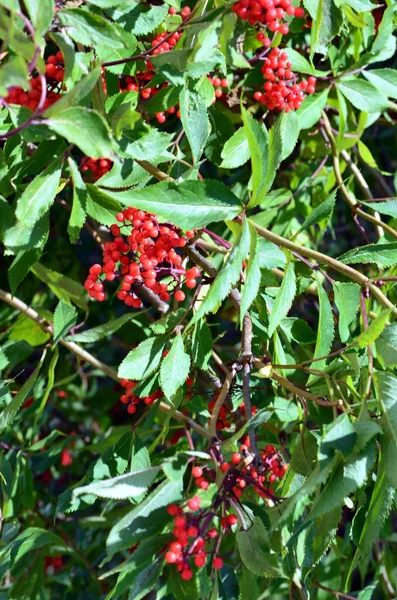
144,254
269,13
163,42
282,92
219,85
97,166
193,535
53,564
132,400
138,83
31,98
185,12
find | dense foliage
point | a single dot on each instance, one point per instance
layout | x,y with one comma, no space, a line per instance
198,335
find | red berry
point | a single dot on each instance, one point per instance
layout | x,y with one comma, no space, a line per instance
197,471
217,562
236,458
179,296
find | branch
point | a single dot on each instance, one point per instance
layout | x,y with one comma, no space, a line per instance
220,401
349,199
75,348
246,348
334,264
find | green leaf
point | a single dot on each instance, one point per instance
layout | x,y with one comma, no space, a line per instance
145,580
369,335
276,148
347,300
322,212
345,479
304,456
13,73
65,316
201,345
33,204
289,133
76,94
144,360
138,18
168,322
385,208
384,255
283,301
363,95
325,330
326,24
189,205
250,288
270,255
227,276
146,519
195,120
253,545
90,29
61,286
310,111
378,510
258,143
9,412
386,346
122,487
6,217
101,207
142,143
298,62
386,391
360,5
41,13
33,538
174,368
236,151
79,207
21,266
101,331
85,128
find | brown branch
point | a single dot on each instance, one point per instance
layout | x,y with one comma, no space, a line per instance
220,401
349,199
78,351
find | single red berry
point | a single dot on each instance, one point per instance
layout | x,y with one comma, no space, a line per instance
236,458
217,562
197,471
179,296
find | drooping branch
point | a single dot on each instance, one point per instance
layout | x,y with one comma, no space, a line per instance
92,360
375,219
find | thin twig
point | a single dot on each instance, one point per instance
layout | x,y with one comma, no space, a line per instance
220,401
76,349
352,202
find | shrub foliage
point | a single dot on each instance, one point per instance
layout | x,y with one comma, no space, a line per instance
198,335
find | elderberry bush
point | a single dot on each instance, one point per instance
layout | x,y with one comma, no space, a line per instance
198,343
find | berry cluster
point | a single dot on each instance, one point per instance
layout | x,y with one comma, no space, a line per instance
282,92
138,83
145,253
97,166
31,98
225,417
219,85
193,536
132,400
166,42
269,13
